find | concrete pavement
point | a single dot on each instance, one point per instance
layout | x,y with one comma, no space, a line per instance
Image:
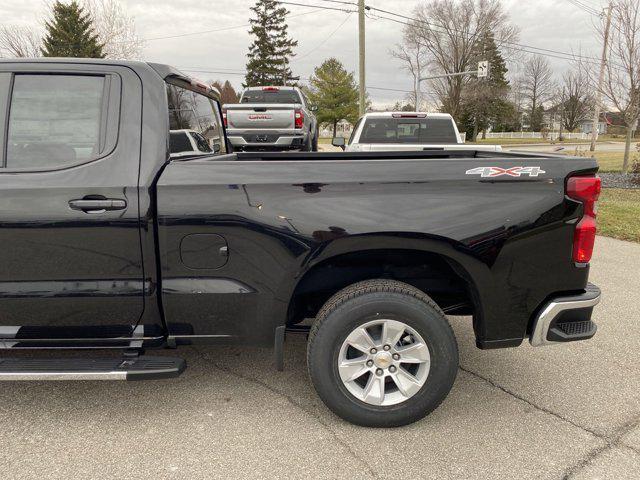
570,411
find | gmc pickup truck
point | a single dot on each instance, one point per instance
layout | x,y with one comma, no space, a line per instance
271,118
106,242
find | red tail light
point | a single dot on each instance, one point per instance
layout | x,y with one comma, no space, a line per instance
270,89
585,190
224,117
299,117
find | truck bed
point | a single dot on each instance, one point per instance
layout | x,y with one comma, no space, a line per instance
282,213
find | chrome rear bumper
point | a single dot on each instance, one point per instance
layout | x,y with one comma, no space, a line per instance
566,319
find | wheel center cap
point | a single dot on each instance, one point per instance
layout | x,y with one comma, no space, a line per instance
383,359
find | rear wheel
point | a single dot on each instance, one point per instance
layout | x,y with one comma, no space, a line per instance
308,144
382,354
314,146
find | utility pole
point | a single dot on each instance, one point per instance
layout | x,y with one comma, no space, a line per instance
603,63
562,107
362,79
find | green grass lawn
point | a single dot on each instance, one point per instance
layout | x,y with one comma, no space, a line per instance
608,161
619,213
612,161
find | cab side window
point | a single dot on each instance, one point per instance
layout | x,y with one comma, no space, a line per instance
197,113
55,121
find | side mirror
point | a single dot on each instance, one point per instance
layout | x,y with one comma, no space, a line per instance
338,142
313,108
216,148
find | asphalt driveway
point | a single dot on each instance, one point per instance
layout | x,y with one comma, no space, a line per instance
569,411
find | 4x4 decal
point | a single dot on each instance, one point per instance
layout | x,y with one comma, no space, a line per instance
511,172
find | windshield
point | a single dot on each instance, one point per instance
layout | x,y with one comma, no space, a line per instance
408,130
271,96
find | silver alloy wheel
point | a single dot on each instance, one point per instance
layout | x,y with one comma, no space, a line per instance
384,362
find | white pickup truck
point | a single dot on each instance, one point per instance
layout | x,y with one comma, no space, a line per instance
271,118
390,131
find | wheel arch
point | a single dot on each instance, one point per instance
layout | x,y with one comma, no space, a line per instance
342,262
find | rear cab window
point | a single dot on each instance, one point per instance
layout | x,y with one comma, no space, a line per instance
271,95
57,120
197,116
408,130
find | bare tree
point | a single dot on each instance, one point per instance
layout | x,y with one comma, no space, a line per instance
116,30
20,42
622,82
449,31
412,53
537,87
577,100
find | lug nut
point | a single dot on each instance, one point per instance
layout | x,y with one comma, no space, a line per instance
370,363
396,356
387,347
373,351
379,372
392,369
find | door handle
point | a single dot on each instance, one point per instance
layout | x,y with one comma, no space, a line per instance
97,205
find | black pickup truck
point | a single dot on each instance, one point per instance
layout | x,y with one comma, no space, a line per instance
107,242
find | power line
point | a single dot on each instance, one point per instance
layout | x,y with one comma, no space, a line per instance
318,6
585,7
202,32
298,57
517,46
223,71
342,2
531,49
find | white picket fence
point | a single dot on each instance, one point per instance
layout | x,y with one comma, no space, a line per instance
550,135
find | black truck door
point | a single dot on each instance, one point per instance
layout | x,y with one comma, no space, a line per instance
70,252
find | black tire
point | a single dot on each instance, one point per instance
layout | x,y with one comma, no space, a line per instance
358,304
308,144
314,146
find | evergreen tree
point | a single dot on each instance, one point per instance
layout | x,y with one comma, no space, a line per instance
70,33
228,94
536,119
485,99
335,92
271,49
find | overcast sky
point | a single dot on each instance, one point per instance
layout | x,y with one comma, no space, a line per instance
551,24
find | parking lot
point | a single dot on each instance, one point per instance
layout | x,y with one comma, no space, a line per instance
571,411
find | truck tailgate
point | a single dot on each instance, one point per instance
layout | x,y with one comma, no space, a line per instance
260,116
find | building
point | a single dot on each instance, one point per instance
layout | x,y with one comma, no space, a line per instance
610,122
